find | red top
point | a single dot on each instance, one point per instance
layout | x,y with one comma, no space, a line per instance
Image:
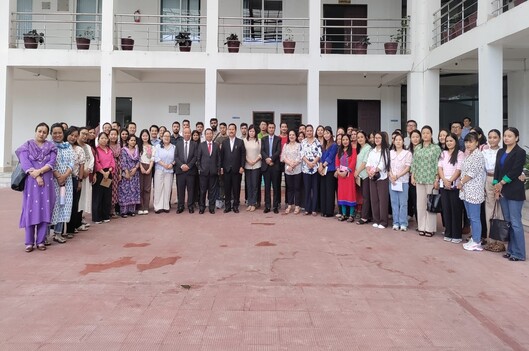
104,159
284,140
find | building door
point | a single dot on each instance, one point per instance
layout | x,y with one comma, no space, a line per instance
340,30
362,114
93,110
93,105
293,120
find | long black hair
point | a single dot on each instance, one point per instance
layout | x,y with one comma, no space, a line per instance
455,151
140,144
420,138
384,148
349,148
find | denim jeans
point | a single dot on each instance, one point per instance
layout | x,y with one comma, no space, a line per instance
399,205
512,212
474,216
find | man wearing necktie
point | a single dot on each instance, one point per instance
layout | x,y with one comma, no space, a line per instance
208,163
270,152
185,169
233,158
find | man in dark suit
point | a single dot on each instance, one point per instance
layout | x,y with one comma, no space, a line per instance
270,168
185,169
233,158
208,163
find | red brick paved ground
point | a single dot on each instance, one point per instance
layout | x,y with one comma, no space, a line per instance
257,282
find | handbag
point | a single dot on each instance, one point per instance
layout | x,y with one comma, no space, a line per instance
434,204
18,178
499,228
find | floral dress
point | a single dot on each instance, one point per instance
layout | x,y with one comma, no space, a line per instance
116,151
129,189
65,160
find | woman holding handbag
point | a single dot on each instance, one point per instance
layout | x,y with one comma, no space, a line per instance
102,190
449,167
510,191
326,170
399,177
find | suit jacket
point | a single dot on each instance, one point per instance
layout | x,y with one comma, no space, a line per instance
208,165
232,161
265,152
180,157
511,170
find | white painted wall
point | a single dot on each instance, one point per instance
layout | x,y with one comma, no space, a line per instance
518,104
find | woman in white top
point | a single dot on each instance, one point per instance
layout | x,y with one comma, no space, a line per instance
311,154
252,167
377,169
449,170
147,155
399,176
291,156
85,202
163,176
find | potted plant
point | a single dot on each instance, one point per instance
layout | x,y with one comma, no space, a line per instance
183,40
360,47
325,46
233,43
470,21
391,47
32,39
127,43
83,40
289,45
456,28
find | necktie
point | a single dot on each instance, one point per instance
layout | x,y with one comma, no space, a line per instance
270,148
185,150
209,148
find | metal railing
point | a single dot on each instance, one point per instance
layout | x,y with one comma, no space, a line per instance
158,32
59,30
264,34
501,6
365,36
453,19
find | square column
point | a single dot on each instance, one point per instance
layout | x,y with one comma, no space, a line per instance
108,93
518,102
490,71
212,28
107,25
390,108
314,27
313,97
210,95
6,117
423,98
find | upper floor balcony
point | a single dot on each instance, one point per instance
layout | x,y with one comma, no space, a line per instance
453,19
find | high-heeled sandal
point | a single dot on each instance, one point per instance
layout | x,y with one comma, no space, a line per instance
29,248
287,211
296,210
41,247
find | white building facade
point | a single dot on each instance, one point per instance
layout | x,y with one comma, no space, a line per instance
328,80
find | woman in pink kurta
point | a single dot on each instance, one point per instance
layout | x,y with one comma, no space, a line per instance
345,167
37,158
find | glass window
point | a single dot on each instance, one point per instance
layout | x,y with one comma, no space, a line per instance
264,19
180,19
88,26
25,25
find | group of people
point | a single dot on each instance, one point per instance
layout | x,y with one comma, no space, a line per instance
365,176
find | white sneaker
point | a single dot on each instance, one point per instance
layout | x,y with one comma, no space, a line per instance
447,239
145,212
395,227
472,246
141,212
457,241
403,229
375,225
380,226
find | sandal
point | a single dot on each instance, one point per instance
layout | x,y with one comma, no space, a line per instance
29,248
422,233
59,239
362,221
41,247
287,211
350,220
296,210
429,234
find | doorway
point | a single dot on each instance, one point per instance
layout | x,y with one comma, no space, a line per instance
361,114
93,110
341,33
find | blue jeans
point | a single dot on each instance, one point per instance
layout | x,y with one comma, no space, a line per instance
474,216
512,212
399,205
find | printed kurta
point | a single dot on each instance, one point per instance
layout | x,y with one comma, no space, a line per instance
129,189
347,185
65,160
85,203
116,171
37,201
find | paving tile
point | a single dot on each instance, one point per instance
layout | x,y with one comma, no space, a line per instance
191,318
222,335
297,336
180,335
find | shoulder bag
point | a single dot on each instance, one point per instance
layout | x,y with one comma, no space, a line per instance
499,228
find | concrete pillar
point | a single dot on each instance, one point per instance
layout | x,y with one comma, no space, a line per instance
423,98
313,97
390,108
212,29
108,92
518,104
490,62
107,25
210,95
6,90
314,27
486,9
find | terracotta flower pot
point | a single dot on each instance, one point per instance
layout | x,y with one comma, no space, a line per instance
518,2
127,44
185,48
391,48
326,47
82,43
289,47
30,43
470,21
233,46
359,48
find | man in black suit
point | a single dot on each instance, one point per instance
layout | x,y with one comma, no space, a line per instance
270,168
185,169
233,158
208,163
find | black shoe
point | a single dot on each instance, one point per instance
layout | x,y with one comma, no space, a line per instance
266,210
158,211
166,211
507,255
276,210
180,210
515,259
191,210
236,209
258,206
201,211
212,210
227,209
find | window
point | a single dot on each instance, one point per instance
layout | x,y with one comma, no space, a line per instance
259,116
89,26
265,18
180,9
25,24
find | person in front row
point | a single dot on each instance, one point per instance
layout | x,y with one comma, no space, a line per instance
208,163
185,169
233,157
270,152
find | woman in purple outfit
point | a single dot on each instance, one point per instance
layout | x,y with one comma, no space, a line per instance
129,187
37,158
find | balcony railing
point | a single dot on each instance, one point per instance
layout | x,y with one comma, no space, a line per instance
453,19
501,6
365,36
158,32
265,34
60,29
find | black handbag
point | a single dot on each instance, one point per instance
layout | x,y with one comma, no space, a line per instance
434,204
499,228
18,178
